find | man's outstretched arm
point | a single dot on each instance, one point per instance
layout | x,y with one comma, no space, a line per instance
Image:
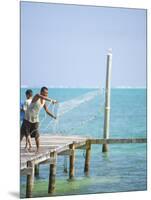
48,112
46,98
37,96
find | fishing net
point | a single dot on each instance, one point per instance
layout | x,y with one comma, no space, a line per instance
80,116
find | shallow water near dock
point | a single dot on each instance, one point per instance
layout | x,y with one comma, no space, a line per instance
123,168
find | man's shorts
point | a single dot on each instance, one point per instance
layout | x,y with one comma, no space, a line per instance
29,128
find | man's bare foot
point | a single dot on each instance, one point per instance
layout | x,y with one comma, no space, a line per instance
37,151
26,149
30,149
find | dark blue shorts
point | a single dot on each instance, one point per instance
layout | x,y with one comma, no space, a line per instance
28,128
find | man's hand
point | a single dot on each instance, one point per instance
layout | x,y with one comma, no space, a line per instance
54,117
48,112
54,101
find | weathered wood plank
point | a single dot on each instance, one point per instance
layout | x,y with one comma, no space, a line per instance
65,152
26,171
118,141
82,146
43,158
23,164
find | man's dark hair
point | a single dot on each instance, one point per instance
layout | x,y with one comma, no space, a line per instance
43,88
29,92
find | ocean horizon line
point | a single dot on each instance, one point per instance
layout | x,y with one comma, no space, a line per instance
84,87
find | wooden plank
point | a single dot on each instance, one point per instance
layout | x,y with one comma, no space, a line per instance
37,159
23,164
44,144
58,138
63,147
63,137
26,171
82,146
118,141
43,158
53,144
50,161
65,152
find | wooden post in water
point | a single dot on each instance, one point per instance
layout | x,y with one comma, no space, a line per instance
37,170
52,173
87,158
65,170
71,160
30,180
107,100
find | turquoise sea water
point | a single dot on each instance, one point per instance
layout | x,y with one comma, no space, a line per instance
123,168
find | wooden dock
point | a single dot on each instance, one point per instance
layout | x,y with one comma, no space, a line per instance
53,146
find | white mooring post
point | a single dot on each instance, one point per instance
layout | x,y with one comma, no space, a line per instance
107,100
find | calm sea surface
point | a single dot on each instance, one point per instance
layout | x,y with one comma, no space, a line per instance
82,113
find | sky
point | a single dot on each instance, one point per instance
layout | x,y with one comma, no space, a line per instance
66,45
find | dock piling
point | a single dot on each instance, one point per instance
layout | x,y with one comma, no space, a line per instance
65,170
72,160
52,173
87,158
37,170
30,180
